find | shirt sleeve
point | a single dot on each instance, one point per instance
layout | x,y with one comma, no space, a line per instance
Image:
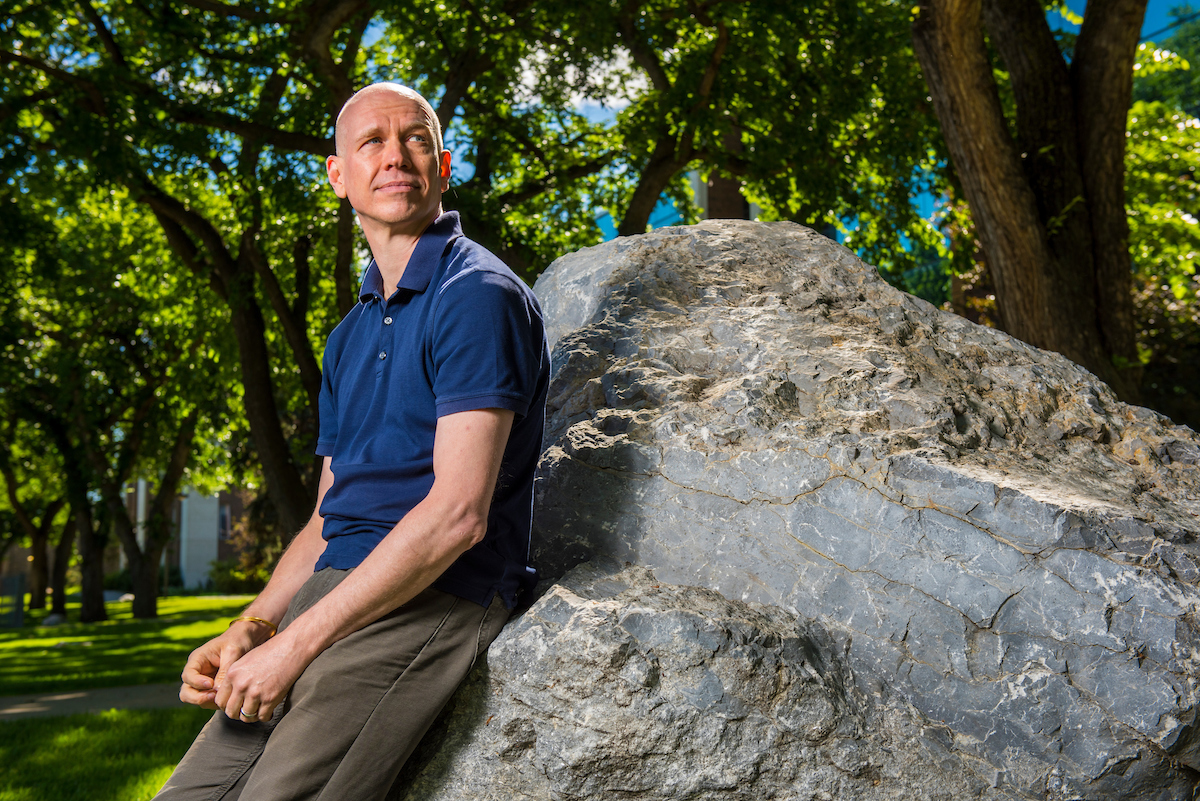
327,408
487,345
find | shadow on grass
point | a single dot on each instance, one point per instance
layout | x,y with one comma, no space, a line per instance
119,755
121,651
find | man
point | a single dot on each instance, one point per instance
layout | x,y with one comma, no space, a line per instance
432,407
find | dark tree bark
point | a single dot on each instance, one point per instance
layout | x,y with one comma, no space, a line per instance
62,560
1102,81
92,539
92,532
1053,231
343,279
39,539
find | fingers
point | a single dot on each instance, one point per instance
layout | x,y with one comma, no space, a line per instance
253,682
199,671
205,699
236,694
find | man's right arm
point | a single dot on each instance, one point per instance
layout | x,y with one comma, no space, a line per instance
207,665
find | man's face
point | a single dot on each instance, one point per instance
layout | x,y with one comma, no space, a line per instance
387,163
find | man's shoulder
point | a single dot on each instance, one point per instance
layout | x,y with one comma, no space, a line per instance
470,264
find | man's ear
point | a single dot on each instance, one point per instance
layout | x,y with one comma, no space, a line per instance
444,171
333,168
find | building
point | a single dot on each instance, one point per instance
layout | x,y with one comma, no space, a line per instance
204,527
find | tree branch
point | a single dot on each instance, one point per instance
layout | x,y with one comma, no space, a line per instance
22,102
97,106
531,189
168,485
295,331
712,69
10,486
288,140
644,56
164,205
105,35
318,37
301,250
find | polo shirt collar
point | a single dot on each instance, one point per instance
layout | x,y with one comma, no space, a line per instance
421,264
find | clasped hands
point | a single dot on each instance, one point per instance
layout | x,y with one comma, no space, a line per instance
241,672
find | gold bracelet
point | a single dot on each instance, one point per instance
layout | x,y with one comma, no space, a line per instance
253,619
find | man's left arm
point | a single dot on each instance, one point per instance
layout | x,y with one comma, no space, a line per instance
468,447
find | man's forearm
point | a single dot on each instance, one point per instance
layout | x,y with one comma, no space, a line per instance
406,561
451,518
298,560
294,568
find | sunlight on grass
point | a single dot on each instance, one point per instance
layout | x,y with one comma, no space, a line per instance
118,755
119,651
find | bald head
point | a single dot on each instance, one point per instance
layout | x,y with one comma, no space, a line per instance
382,88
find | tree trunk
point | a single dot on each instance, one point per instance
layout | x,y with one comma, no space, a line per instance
39,571
668,158
1102,80
62,560
91,564
145,581
343,278
292,499
38,533
142,559
1030,200
39,537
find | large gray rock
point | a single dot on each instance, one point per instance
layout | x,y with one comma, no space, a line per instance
750,408
614,685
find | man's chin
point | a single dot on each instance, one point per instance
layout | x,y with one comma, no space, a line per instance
402,218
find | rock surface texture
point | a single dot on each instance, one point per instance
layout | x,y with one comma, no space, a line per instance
616,686
749,408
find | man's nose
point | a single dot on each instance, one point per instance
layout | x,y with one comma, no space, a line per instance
396,154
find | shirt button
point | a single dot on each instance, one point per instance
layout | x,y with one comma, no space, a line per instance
383,354
387,320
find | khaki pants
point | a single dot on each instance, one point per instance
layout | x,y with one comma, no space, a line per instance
356,713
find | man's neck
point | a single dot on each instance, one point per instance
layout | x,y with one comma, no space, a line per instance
393,249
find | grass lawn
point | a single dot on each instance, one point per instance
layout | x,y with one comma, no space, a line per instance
118,755
120,651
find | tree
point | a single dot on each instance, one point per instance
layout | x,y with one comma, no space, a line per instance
107,360
1162,164
1048,202
33,500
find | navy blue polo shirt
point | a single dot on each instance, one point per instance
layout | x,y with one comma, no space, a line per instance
460,332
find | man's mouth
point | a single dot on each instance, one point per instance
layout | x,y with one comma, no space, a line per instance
398,186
